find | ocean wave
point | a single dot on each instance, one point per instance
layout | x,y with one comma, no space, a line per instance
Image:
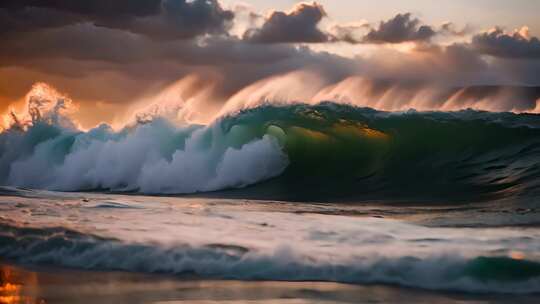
68,248
294,152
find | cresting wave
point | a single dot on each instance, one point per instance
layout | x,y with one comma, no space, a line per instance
68,248
293,152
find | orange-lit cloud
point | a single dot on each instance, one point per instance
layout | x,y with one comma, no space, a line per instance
134,59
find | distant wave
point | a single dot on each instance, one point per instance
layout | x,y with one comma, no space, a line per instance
61,247
296,152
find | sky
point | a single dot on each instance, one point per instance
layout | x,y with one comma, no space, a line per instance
117,60
480,13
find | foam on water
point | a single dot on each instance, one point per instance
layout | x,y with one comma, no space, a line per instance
225,240
293,152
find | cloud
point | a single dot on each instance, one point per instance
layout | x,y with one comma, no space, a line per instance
450,28
498,43
349,32
300,25
94,7
98,58
401,28
95,63
159,19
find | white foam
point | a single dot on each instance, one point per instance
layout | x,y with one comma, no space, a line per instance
143,160
284,262
232,240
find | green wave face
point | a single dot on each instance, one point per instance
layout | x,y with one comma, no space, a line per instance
343,152
296,152
502,269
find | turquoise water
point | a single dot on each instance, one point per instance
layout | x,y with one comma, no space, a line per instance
444,202
327,152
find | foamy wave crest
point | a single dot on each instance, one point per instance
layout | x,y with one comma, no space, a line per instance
43,148
323,151
42,103
61,247
152,158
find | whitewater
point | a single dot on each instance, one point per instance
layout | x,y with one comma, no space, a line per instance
297,152
266,240
329,192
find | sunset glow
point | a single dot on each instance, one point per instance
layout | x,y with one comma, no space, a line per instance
255,151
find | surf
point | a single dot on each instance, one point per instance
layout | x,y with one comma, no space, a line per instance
278,261
298,152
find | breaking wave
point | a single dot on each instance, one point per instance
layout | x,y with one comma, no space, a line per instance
68,248
294,152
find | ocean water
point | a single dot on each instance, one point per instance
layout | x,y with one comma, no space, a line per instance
327,152
445,202
269,241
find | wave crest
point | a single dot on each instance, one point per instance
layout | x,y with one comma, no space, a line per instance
326,151
61,247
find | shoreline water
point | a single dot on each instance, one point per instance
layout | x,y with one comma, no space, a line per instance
62,244
20,284
523,213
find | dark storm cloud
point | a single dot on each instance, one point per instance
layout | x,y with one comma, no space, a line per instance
101,51
298,26
401,28
497,43
88,42
301,25
91,7
182,19
82,51
162,19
